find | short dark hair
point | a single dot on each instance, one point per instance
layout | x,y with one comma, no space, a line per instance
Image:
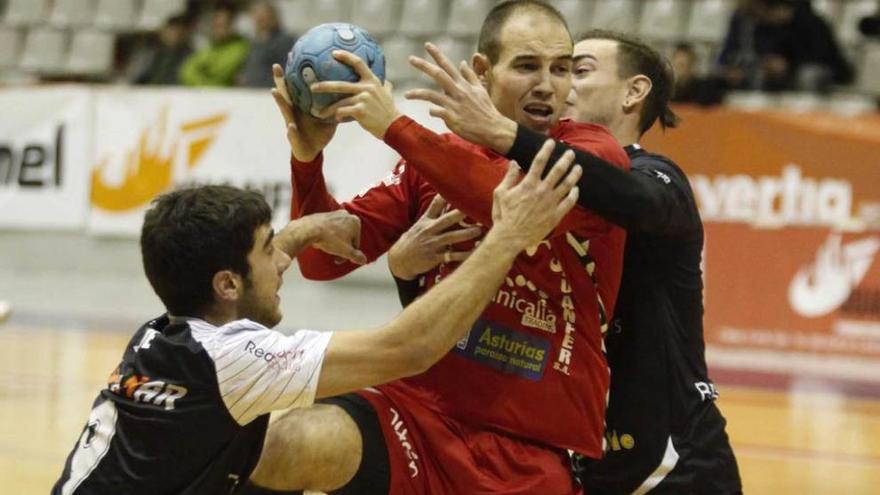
489,41
635,57
190,234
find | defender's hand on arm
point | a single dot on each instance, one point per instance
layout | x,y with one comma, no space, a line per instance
307,135
336,232
429,242
464,104
370,103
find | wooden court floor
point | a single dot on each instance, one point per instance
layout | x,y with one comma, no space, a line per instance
786,443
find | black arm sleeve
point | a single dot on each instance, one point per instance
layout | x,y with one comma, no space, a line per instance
407,290
641,200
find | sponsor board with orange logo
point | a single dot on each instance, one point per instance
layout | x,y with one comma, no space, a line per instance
44,138
791,207
149,142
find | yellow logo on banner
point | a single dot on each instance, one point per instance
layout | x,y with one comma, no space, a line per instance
148,171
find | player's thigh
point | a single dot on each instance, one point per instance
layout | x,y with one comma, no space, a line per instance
317,448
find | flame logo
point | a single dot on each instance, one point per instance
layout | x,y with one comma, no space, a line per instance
149,172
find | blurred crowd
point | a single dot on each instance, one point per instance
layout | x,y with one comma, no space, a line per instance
770,45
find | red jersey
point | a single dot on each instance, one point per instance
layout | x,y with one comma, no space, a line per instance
533,365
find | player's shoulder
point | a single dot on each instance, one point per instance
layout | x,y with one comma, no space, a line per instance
594,138
643,159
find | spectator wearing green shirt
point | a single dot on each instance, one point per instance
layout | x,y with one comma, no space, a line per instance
218,63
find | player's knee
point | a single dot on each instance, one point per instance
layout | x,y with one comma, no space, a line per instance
313,448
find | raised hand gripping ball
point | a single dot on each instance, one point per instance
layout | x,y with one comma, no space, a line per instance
311,60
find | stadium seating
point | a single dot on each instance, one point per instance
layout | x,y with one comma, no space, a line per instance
709,20
25,12
294,15
91,53
663,19
379,17
422,18
10,40
44,50
330,11
397,50
466,17
853,11
68,13
155,12
869,78
621,15
576,13
116,15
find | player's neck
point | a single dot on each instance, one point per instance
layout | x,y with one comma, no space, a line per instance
219,316
626,132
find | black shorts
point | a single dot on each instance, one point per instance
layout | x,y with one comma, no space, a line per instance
374,474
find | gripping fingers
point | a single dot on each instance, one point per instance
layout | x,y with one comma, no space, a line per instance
570,181
562,165
510,177
539,163
435,208
448,219
356,63
456,236
567,203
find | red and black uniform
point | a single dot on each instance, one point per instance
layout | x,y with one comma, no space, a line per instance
509,397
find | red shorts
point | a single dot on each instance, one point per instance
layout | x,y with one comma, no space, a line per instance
431,454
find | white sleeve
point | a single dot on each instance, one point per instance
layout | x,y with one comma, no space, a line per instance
260,370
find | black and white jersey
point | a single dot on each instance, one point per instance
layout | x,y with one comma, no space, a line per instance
185,412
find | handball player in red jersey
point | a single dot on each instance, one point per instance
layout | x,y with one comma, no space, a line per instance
529,381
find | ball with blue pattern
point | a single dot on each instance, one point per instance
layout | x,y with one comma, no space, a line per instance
311,60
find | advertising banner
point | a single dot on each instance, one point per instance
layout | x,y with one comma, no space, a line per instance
150,141
45,140
791,206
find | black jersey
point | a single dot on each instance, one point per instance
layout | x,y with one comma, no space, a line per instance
664,432
185,412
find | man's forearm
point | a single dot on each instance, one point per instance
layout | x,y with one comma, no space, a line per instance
436,321
296,236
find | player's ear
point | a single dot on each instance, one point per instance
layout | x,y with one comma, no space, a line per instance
637,90
481,66
228,286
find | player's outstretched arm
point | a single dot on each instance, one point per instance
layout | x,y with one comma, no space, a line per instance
336,233
523,215
635,201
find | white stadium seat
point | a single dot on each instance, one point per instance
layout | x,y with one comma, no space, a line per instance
397,52
663,19
422,17
25,12
576,14
45,50
709,20
619,15
155,12
869,77
853,12
294,15
379,17
68,13
116,15
330,11
10,40
466,17
91,52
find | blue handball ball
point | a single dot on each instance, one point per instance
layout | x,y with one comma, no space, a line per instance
311,60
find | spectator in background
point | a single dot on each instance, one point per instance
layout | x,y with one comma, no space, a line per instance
781,45
269,46
218,63
691,87
161,63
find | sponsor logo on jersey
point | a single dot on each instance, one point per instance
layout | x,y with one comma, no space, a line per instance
286,360
149,167
616,442
403,437
825,284
706,390
506,350
145,390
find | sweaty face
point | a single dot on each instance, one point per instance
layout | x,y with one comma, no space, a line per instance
532,77
597,92
260,301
